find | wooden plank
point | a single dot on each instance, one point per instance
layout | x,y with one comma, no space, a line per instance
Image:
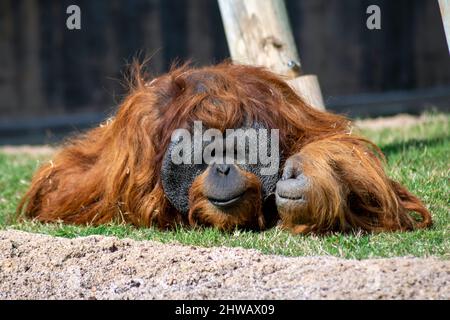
258,33
444,5
308,88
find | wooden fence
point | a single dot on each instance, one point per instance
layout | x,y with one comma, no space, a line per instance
53,79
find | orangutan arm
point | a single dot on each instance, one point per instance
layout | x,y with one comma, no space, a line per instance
339,184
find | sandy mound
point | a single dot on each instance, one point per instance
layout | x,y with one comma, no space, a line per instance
43,150
398,121
39,266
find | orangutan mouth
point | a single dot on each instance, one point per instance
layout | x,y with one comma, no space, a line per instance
225,203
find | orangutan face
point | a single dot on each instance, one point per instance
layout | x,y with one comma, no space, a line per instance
221,179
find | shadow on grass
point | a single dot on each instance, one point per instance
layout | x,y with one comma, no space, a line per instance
397,147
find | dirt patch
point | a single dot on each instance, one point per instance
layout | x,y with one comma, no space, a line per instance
397,121
36,266
42,150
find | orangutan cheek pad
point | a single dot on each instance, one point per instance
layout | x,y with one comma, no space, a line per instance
177,179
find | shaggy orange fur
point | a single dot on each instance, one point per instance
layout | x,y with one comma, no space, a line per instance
113,172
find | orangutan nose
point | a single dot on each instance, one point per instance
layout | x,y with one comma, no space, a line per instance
223,169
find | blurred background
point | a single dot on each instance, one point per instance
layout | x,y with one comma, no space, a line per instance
55,81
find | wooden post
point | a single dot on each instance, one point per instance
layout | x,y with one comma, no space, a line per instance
258,33
445,14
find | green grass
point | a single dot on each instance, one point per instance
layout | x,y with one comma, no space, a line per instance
418,157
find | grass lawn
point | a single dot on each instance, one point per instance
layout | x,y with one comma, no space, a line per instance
418,157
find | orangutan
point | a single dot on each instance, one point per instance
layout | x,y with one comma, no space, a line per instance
326,178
